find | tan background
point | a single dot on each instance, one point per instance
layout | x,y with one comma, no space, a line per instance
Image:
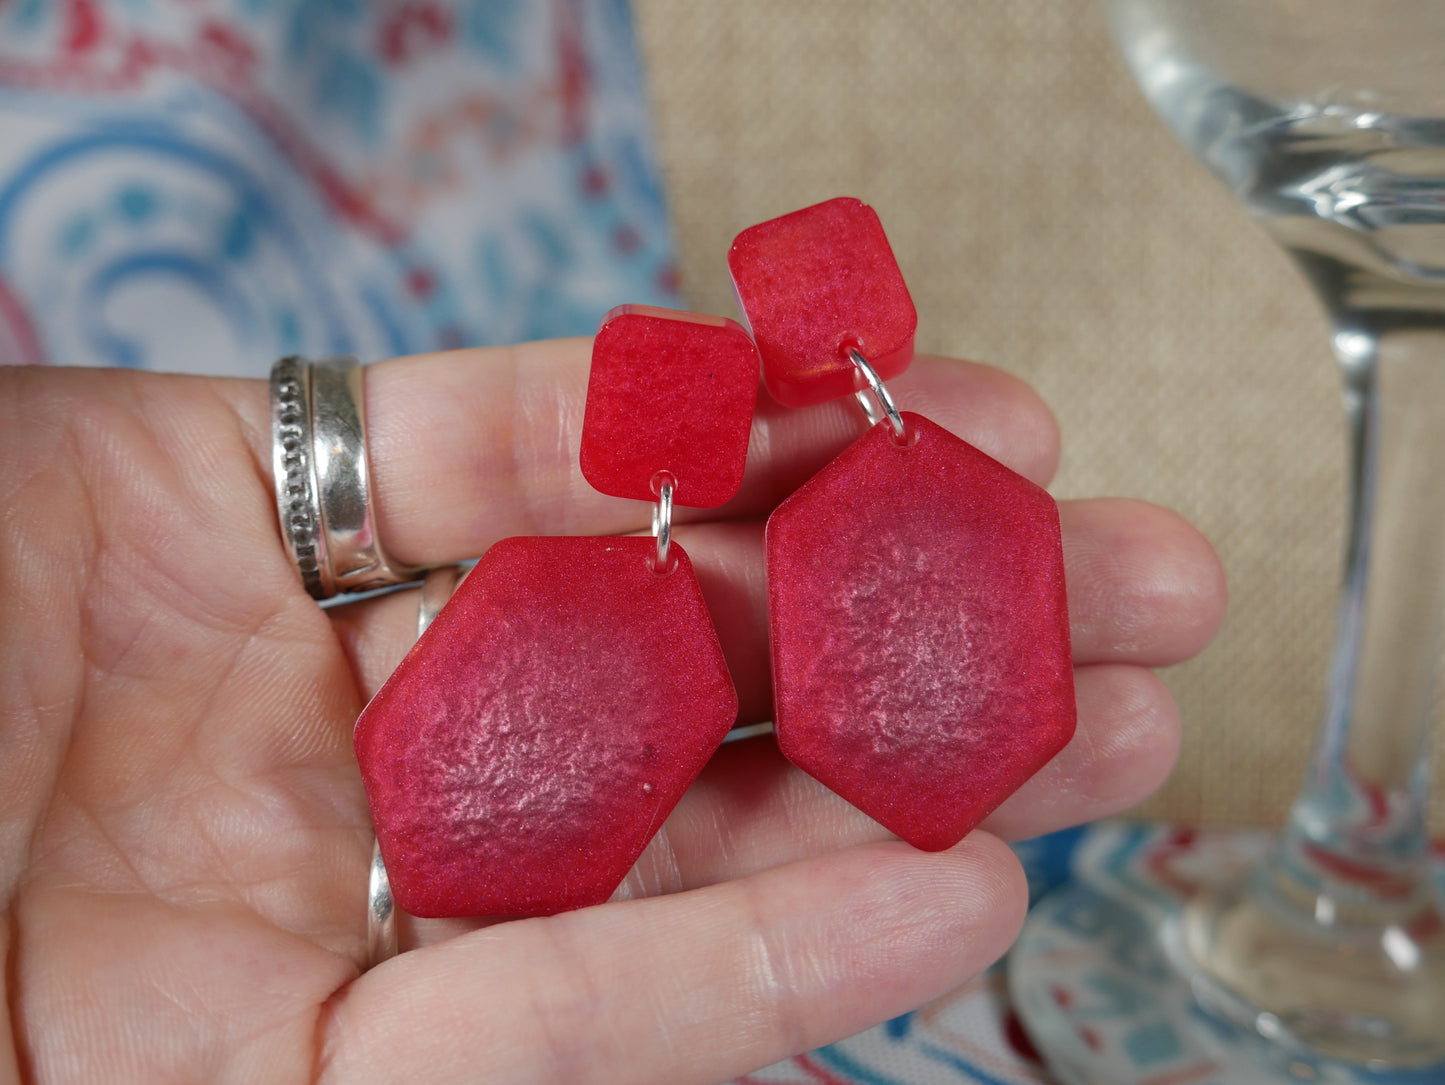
1046,222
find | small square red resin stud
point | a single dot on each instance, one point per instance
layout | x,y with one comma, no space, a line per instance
669,392
814,285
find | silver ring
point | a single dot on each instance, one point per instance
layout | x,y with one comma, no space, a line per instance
380,913
323,479
880,392
436,590
662,519
381,940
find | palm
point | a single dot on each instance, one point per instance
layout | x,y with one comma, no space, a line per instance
184,832
182,796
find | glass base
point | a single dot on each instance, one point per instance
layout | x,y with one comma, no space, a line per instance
1372,995
1105,985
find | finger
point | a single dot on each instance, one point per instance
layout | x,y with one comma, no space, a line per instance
1144,587
471,446
750,810
376,635
1123,749
692,988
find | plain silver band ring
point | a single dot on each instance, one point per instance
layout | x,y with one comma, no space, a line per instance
323,479
380,912
436,590
381,942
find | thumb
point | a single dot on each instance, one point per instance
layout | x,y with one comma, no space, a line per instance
689,989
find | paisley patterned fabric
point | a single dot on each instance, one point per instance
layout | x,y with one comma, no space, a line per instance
205,185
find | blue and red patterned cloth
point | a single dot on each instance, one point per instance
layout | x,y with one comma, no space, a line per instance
205,185
1119,1000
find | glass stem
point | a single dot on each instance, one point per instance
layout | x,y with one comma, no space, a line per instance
1354,851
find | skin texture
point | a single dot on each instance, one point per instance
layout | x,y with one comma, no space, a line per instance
183,837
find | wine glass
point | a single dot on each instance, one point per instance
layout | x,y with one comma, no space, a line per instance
1326,959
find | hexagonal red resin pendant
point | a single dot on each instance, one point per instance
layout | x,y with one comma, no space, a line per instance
538,734
920,631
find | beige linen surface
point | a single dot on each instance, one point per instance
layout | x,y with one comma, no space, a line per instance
1047,223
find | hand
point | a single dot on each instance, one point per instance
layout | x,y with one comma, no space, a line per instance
183,836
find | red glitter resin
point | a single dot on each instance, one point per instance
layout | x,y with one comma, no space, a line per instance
815,283
920,631
538,734
672,392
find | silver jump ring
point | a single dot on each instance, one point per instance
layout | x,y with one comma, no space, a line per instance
323,479
662,521
381,940
880,394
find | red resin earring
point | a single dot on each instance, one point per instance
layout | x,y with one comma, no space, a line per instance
527,749
920,631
